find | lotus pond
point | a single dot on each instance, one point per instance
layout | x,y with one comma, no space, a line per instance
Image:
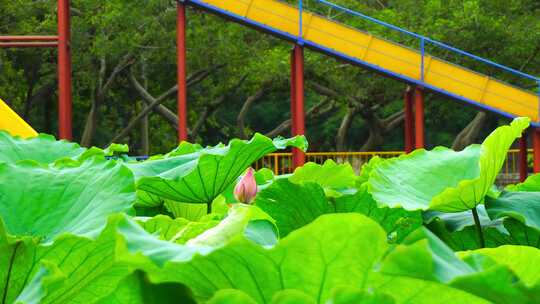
93,226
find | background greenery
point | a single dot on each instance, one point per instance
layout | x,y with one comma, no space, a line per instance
121,45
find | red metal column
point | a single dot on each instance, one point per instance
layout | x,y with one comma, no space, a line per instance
181,71
409,121
64,71
298,121
523,164
536,148
419,117
293,93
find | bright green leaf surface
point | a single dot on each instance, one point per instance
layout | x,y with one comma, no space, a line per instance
522,206
532,184
523,260
293,205
136,289
67,196
192,212
443,179
43,148
182,233
330,176
397,222
201,176
231,296
296,205
75,269
428,258
329,250
467,238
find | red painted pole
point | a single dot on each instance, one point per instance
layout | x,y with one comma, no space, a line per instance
28,38
419,118
181,71
298,119
293,93
64,71
24,44
409,121
523,164
536,149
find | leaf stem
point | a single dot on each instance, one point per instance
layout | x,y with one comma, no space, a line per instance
478,227
209,208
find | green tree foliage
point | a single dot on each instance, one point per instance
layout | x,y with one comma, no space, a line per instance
240,77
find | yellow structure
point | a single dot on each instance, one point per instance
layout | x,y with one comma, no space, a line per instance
388,57
13,123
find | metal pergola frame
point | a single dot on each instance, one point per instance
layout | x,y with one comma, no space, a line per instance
62,43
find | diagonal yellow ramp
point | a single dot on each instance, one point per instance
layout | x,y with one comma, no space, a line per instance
13,123
389,58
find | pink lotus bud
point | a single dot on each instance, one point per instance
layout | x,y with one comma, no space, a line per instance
246,189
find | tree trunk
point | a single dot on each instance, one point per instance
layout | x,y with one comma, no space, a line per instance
145,142
341,137
375,138
102,88
90,125
240,121
470,133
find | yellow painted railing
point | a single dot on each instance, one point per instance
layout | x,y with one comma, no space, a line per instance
281,163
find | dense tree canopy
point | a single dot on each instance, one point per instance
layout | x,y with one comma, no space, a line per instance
124,58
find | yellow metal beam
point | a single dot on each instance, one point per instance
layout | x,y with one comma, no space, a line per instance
387,55
13,123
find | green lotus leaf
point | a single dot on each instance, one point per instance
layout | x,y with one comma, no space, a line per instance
334,178
47,279
137,289
175,230
458,229
368,167
43,148
520,234
72,269
148,200
442,179
405,289
466,238
68,196
116,149
185,148
458,221
201,176
292,296
346,295
313,260
296,205
293,205
531,184
16,257
397,222
192,212
427,258
231,296
239,221
524,261
522,206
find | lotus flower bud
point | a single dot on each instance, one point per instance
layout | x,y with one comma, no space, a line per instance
246,189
